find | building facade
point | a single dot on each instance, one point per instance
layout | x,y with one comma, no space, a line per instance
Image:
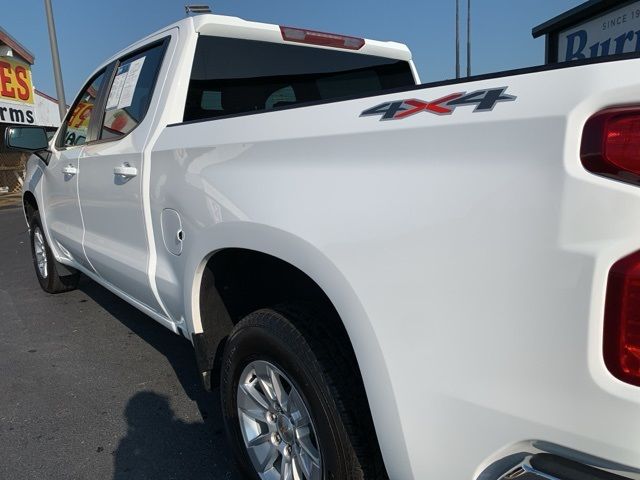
20,103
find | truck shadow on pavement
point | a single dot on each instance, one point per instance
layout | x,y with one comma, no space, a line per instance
158,445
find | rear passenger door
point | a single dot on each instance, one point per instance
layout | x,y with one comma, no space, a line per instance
111,187
62,213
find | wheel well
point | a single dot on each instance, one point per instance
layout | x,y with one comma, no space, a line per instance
237,282
30,205
248,280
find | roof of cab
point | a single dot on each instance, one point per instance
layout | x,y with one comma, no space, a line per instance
234,27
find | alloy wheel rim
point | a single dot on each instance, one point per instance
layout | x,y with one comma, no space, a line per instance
277,429
40,253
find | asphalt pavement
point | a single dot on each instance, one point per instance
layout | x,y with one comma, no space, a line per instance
90,388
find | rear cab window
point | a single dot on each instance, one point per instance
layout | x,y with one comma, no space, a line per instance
234,76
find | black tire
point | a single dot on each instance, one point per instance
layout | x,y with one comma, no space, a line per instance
52,281
324,374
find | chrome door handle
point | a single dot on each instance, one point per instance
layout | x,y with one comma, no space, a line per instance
125,170
69,170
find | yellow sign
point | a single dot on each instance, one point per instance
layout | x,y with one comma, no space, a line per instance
81,115
15,81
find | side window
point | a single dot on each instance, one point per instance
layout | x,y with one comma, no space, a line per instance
130,92
231,76
76,127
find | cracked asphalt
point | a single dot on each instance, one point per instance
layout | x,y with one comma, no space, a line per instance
90,388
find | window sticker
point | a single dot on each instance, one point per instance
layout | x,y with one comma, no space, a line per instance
130,82
124,85
119,121
116,88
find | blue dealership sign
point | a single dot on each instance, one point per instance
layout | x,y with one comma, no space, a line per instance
615,32
596,28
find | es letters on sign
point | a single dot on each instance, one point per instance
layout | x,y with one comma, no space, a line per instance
16,92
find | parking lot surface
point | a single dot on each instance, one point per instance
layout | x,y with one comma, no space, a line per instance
90,388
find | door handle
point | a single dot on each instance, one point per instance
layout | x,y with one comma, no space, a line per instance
125,170
69,170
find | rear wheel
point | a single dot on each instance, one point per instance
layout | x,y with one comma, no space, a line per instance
288,404
52,276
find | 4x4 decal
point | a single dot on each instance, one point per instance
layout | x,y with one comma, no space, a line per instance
484,101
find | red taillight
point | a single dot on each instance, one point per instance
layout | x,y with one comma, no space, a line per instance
321,38
611,144
622,320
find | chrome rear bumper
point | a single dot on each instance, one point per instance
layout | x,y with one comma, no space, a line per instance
544,461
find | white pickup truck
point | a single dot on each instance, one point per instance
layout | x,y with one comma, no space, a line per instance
383,279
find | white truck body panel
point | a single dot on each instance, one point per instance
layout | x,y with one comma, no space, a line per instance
466,254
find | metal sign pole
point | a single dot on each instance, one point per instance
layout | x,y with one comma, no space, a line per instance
468,38
457,38
55,57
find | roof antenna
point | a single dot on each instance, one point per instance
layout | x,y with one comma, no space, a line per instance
196,9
